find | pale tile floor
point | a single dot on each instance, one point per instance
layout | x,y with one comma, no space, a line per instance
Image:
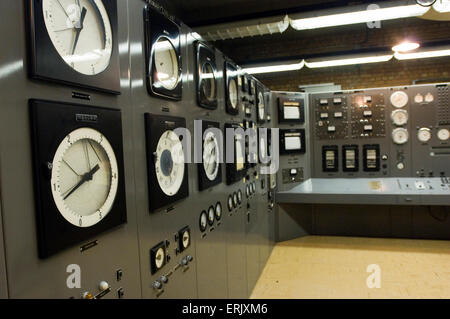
335,267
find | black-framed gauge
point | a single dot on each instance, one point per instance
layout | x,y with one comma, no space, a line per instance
251,86
292,141
210,168
75,43
291,110
78,173
203,221
166,167
231,88
244,83
184,239
260,104
236,170
205,76
163,55
158,257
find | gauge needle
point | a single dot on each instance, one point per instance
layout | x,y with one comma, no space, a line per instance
86,153
78,28
86,178
65,12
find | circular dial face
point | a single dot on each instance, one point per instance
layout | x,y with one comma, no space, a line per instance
399,99
208,85
399,117
429,98
80,32
203,222
211,216
211,156
235,200
166,64
239,195
261,106
230,202
400,136
424,134
85,177
186,239
443,134
232,93
160,256
418,98
169,163
218,211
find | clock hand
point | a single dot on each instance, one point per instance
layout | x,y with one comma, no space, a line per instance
86,178
78,29
94,151
71,168
65,12
86,153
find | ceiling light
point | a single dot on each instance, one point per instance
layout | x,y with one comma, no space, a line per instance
242,29
363,15
260,69
406,46
430,53
348,60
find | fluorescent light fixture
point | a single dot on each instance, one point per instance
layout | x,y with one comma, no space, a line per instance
406,46
363,15
260,69
442,6
422,54
348,60
242,29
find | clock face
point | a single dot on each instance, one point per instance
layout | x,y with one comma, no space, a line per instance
166,64
261,106
232,93
399,99
208,82
169,165
84,177
80,32
211,156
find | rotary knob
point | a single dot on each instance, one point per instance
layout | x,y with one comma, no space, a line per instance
103,285
190,258
164,279
157,285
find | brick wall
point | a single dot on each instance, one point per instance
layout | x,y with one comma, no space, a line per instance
392,73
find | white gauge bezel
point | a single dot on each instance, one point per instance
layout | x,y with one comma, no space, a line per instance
394,138
443,131
233,93
402,102
178,162
421,130
71,216
160,262
211,138
394,113
175,66
75,61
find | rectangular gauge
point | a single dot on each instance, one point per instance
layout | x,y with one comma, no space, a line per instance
330,158
291,110
205,76
235,167
371,158
292,141
350,158
231,88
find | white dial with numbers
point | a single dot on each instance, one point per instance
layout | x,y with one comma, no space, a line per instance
211,156
166,64
81,33
84,177
443,134
232,93
399,117
400,136
169,164
399,99
424,134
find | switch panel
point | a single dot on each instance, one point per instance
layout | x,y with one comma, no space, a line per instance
371,158
330,158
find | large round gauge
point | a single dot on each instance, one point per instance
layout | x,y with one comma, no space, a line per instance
218,211
80,32
169,165
166,64
208,85
400,136
399,99
443,134
211,215
203,222
399,117
233,93
211,156
84,177
424,134
261,106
